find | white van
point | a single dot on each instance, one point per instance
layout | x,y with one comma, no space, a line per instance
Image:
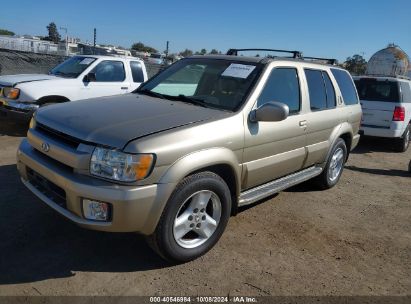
386,106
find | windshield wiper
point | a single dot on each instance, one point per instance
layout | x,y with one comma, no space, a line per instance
192,100
58,73
151,93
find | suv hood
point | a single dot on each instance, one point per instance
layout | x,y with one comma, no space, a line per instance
116,120
11,80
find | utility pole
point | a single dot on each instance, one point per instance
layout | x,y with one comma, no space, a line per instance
95,37
65,29
167,48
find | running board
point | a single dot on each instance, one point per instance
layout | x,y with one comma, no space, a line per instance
255,194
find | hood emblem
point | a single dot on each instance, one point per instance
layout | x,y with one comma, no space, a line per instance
45,147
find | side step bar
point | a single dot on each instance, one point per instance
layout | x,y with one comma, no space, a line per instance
255,194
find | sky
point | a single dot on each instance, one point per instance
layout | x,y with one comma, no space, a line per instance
319,28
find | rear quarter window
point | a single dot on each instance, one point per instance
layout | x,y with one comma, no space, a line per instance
346,85
137,71
406,91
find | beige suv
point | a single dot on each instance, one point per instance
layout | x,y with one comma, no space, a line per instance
177,157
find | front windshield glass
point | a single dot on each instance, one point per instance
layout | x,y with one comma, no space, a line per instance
73,67
214,83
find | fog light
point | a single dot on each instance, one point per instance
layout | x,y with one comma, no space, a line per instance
94,210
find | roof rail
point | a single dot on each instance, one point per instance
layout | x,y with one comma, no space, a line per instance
234,52
327,60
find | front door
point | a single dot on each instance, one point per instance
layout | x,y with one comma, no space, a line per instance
110,80
275,149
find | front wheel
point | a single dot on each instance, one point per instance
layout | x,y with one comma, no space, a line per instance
334,166
194,218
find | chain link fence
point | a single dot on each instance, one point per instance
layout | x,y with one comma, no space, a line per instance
18,62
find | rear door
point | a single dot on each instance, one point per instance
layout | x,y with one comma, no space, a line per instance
324,114
378,98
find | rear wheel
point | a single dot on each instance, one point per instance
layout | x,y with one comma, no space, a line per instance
334,166
404,142
194,218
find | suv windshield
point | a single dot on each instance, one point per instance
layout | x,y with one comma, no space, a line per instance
377,90
73,67
214,83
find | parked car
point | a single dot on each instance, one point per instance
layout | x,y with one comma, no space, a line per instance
157,58
207,135
386,106
79,77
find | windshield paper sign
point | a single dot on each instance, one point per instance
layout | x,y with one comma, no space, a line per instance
238,70
86,61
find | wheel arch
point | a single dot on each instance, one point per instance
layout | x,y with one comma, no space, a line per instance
220,161
52,99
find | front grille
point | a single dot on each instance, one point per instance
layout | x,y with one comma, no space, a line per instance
58,136
52,191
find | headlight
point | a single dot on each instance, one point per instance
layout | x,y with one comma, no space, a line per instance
11,93
120,166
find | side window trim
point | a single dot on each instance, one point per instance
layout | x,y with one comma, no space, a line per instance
255,106
122,64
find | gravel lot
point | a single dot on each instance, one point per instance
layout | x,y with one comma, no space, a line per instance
354,239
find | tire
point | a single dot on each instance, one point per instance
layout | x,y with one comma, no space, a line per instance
194,218
404,142
330,177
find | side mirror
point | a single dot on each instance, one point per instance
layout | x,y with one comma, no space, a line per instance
90,77
270,111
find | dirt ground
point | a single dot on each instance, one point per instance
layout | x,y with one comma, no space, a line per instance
354,239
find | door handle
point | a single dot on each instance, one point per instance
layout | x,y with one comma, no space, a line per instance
124,88
303,123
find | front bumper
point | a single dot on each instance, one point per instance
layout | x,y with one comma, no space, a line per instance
134,208
14,114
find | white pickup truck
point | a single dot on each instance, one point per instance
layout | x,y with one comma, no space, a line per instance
79,77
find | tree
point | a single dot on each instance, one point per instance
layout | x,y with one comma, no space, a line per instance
53,33
214,52
203,51
141,47
356,64
6,32
186,53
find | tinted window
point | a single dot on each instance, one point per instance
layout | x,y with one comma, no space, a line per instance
282,85
316,89
137,71
331,102
109,71
374,90
406,92
346,85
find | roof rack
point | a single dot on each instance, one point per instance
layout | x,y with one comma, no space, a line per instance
234,52
327,60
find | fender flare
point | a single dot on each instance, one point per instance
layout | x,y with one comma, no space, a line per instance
203,159
345,128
